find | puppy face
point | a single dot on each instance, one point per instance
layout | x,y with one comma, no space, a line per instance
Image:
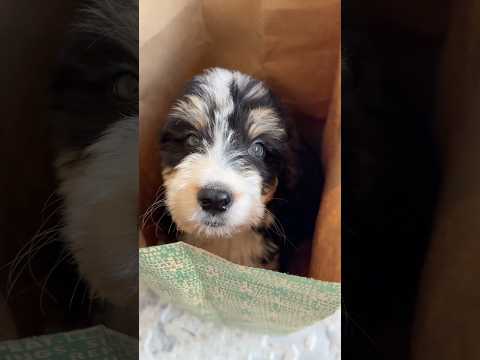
224,149
94,121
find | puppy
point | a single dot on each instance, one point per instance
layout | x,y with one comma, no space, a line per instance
95,132
229,158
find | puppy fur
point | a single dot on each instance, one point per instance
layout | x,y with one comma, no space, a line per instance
95,132
228,131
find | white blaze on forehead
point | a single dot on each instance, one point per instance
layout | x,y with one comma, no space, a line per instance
241,80
215,86
216,83
223,136
264,121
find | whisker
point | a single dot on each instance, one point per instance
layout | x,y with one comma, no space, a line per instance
85,291
350,319
277,226
73,293
171,224
30,258
279,229
34,246
48,202
52,270
37,237
158,202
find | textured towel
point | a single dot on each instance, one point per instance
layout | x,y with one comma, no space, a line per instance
96,343
215,289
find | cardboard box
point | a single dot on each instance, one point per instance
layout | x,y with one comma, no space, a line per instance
293,45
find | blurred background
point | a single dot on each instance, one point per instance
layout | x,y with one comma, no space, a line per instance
32,33
408,199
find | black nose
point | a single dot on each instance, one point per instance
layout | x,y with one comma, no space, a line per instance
214,200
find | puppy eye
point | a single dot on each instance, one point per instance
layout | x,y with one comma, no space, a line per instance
257,150
125,87
192,140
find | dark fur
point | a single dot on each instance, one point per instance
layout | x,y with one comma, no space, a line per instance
83,103
278,161
296,200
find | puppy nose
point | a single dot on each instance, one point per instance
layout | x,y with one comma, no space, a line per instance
214,200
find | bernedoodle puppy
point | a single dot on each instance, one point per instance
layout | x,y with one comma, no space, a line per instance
233,182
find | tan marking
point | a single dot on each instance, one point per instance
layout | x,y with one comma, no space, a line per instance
192,109
264,121
268,195
179,206
267,220
167,173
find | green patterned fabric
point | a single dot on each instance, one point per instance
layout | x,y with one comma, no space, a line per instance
95,343
216,289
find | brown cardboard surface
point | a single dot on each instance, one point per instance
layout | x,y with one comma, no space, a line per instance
326,260
448,310
291,44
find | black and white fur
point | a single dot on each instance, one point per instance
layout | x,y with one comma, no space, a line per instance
228,135
95,131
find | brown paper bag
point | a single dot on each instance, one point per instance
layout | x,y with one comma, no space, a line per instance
293,45
448,307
